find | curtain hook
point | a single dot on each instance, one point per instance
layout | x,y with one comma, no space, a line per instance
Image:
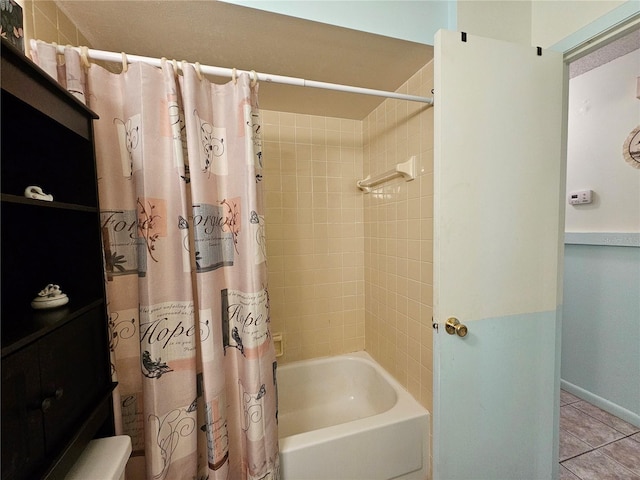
198,71
234,75
84,56
125,65
254,78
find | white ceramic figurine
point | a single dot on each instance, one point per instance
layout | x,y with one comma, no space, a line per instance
35,192
50,297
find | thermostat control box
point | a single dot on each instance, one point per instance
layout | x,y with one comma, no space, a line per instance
580,197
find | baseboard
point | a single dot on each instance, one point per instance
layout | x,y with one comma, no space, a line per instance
604,404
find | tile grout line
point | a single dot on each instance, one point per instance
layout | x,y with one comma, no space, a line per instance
625,436
598,448
603,453
599,420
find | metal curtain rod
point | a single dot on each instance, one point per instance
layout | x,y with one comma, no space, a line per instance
264,77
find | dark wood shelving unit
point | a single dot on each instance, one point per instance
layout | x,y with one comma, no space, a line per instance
56,372
8,198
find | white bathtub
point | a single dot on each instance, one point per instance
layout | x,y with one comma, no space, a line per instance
346,418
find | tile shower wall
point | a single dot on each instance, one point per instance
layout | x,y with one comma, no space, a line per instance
43,20
398,232
315,246
341,262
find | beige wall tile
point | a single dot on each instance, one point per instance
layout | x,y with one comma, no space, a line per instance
48,9
399,240
44,28
45,21
28,21
67,30
311,193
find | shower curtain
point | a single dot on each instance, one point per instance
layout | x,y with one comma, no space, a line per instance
179,180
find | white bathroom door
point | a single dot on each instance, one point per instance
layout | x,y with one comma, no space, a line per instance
499,183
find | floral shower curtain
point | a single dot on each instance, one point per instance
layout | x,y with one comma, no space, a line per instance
179,180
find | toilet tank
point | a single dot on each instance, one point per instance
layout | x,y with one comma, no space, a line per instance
103,458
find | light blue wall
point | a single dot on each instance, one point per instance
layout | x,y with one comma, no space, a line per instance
419,20
415,21
601,307
601,322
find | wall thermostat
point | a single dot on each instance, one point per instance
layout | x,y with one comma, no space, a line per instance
580,197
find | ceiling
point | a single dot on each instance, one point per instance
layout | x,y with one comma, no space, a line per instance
232,36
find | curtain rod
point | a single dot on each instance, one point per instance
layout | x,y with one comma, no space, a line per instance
264,77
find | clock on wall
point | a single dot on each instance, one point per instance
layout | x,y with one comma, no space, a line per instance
631,148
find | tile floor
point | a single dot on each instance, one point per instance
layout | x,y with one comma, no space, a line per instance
595,445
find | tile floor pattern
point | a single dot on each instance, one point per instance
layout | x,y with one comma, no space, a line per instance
595,445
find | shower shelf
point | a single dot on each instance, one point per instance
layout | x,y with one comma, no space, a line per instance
406,169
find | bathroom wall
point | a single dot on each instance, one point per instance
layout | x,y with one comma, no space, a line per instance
347,270
499,19
540,23
603,109
398,234
413,21
533,22
43,20
600,332
552,22
315,231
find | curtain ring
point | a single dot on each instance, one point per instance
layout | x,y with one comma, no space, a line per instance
182,63
254,78
198,71
125,65
234,75
67,46
84,56
59,56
